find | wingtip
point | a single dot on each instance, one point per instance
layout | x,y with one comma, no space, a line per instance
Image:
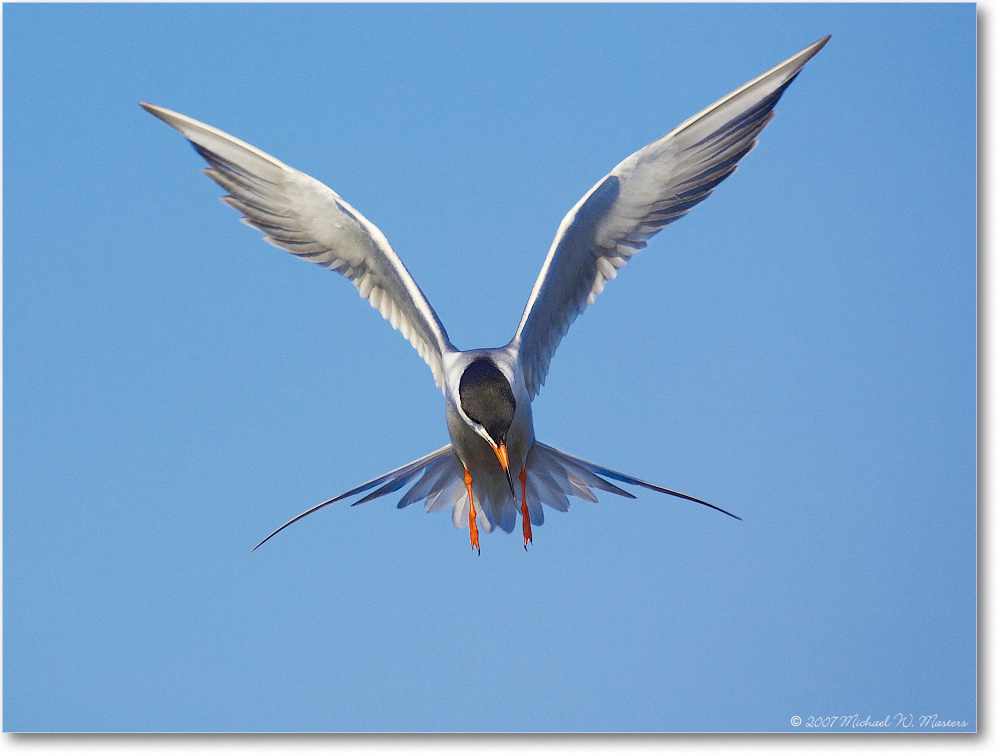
173,119
155,110
790,68
816,46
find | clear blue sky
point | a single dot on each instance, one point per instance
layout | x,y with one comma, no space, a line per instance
801,350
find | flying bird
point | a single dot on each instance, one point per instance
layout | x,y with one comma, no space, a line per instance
494,468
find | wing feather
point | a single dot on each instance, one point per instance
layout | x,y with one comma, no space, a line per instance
642,195
299,214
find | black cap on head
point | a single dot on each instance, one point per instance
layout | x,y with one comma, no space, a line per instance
486,398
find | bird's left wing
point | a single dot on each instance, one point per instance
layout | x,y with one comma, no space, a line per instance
642,195
303,216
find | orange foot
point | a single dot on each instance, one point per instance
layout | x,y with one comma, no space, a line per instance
525,517
473,530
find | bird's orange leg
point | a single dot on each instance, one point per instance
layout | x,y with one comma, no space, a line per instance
525,517
473,530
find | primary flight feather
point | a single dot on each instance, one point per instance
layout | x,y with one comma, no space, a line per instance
488,392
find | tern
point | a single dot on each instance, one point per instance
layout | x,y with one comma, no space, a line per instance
488,392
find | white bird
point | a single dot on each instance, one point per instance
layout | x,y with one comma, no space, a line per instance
488,392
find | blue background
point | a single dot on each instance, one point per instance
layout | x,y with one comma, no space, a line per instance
801,350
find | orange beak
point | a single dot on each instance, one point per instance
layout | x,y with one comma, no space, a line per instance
501,452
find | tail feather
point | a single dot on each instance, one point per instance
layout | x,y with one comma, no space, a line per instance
392,485
614,475
585,471
460,510
508,517
434,475
405,473
535,510
552,477
447,493
550,490
580,489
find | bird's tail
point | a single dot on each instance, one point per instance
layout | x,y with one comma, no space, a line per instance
552,477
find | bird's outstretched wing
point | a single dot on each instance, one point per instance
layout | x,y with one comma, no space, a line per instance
645,192
299,214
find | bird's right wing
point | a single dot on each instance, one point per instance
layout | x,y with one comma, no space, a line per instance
642,195
301,215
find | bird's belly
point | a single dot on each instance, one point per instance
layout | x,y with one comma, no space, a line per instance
489,482
472,450
520,438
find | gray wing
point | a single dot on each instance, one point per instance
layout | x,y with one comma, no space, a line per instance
643,194
301,215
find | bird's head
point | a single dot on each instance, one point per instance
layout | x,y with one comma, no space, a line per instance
488,401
